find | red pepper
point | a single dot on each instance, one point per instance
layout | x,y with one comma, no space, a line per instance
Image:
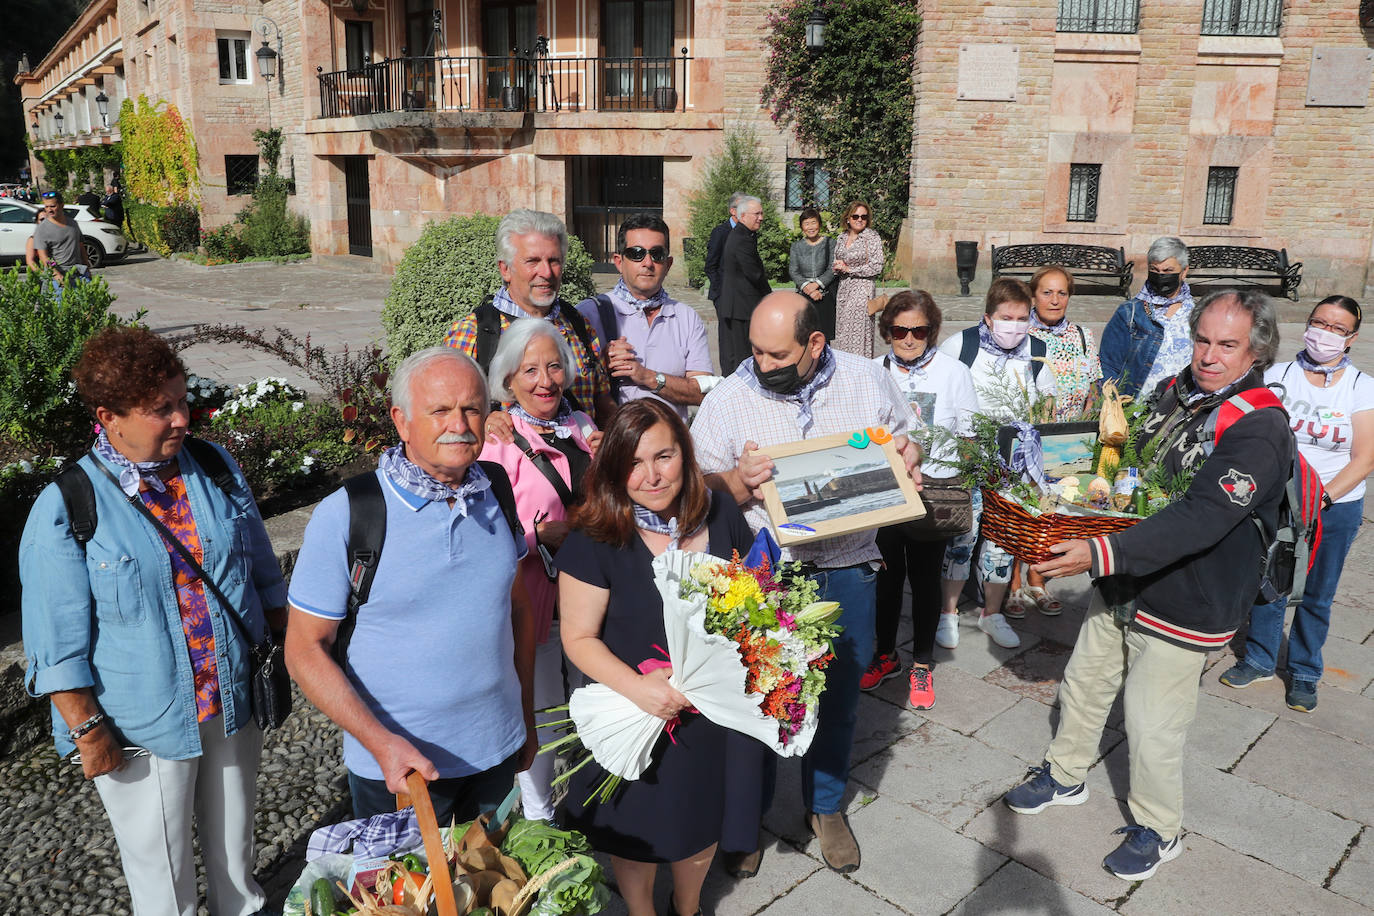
398,893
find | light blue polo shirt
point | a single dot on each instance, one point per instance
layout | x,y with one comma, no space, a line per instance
433,654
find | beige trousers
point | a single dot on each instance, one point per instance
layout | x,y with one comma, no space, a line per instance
1161,687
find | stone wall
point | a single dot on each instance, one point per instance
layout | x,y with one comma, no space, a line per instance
1155,109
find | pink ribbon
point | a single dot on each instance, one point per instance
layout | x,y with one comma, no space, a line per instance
653,664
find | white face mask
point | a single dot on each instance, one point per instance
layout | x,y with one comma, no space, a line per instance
1323,346
1009,334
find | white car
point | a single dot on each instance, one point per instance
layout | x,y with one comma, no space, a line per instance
105,242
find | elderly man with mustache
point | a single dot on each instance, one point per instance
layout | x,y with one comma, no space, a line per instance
437,677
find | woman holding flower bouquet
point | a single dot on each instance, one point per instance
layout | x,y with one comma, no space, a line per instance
645,495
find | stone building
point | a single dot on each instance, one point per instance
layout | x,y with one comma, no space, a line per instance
1113,122
198,55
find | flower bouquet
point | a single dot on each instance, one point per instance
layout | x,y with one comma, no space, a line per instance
748,646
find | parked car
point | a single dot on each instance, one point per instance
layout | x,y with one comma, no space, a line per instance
105,243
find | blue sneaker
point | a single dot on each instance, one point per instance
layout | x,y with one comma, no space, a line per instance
1141,853
1041,791
1242,675
1302,696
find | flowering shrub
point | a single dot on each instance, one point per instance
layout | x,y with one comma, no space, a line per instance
853,102
265,391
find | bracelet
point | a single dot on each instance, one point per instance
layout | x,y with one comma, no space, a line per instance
1327,501
85,727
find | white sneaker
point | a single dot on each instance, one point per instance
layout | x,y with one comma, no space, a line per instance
996,626
947,631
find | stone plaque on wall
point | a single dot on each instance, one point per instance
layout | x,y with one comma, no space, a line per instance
1339,77
988,72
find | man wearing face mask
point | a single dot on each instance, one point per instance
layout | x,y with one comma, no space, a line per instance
1147,340
797,387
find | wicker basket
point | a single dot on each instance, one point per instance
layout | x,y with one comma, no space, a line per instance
1029,537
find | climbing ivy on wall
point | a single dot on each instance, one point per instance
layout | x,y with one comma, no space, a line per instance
160,160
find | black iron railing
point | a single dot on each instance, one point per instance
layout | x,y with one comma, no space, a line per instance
1121,16
516,83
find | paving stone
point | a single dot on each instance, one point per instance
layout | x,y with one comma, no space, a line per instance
1208,877
1062,629
1015,889
977,653
963,702
1244,814
920,864
943,773
783,867
881,723
1027,728
1035,673
785,817
1355,878
1066,845
825,894
1347,665
1223,730
1315,767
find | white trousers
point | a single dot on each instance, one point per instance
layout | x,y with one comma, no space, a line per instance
536,796
150,803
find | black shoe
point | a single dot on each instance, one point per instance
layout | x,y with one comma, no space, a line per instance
742,865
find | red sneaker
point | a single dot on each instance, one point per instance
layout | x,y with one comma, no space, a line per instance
922,694
880,669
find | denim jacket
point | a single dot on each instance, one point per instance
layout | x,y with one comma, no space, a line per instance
1129,345
107,618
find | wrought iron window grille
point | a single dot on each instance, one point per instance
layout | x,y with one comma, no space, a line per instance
1242,17
1116,16
1221,195
1084,180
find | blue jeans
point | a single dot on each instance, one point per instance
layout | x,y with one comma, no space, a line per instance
1312,617
825,768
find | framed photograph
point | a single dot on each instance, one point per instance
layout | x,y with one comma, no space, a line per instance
837,485
1067,447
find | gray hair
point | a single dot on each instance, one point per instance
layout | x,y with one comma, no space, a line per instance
523,222
415,363
746,199
1264,320
1166,247
510,353
735,198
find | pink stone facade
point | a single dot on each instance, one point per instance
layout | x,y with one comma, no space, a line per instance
1155,109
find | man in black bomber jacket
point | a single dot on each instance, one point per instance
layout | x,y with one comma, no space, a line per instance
1188,574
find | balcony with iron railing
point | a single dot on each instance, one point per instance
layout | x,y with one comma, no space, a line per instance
517,83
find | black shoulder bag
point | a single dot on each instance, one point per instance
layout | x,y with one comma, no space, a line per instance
268,679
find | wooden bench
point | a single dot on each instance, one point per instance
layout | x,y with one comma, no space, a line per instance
1233,265
1088,263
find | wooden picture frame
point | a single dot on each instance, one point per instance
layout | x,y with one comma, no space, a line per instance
1067,447
807,500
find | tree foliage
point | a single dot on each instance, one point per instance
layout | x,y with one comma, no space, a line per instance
160,159
739,166
853,102
447,273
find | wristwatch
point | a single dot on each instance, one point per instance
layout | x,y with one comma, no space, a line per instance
659,381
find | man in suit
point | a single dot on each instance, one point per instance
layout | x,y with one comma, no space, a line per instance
743,283
715,247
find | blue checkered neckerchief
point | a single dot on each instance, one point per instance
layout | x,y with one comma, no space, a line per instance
1191,395
131,473
1305,361
652,521
989,346
825,371
561,425
1058,329
1155,303
414,479
379,835
506,305
621,294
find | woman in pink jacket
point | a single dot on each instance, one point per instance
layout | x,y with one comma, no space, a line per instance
546,460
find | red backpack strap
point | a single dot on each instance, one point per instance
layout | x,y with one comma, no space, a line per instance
1242,403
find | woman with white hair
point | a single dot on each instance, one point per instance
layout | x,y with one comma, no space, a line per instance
1148,339
546,461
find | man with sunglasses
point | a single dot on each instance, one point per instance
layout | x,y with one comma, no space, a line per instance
653,345
58,242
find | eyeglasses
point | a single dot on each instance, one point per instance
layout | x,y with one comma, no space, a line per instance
1333,328
862,216
637,252
920,332
47,194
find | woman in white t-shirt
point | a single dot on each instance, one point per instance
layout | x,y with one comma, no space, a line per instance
940,391
1331,405
1009,376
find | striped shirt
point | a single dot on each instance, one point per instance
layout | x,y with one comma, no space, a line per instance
860,395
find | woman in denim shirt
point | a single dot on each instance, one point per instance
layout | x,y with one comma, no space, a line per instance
148,678
1148,339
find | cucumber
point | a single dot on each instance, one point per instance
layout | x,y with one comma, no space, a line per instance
322,902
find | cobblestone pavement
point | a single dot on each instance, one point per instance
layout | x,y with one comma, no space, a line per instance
1278,813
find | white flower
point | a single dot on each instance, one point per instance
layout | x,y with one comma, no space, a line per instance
297,405
26,466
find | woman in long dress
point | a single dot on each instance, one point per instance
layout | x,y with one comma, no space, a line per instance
858,263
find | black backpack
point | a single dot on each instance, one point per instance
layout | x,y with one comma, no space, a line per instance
367,532
968,350
489,336
79,496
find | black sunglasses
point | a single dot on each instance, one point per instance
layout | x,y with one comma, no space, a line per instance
862,216
637,253
47,194
920,332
